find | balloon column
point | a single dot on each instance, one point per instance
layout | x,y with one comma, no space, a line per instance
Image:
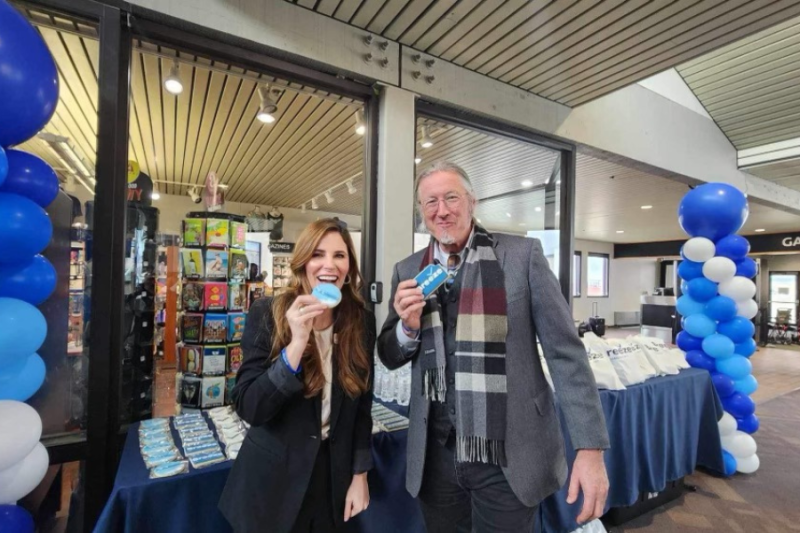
28,98
717,307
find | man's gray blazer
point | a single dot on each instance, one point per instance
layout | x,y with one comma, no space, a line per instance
534,444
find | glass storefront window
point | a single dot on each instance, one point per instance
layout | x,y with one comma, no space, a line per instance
518,184
228,165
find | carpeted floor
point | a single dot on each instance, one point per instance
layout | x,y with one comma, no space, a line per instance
767,501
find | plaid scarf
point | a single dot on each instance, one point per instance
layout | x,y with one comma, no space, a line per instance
480,356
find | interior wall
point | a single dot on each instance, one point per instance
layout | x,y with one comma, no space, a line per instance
627,280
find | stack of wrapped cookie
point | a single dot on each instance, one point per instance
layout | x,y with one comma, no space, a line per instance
230,428
198,441
158,449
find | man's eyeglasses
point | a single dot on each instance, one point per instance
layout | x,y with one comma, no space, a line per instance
452,201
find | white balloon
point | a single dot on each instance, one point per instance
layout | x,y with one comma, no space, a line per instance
20,430
20,479
747,309
727,425
719,269
738,288
699,249
740,444
747,465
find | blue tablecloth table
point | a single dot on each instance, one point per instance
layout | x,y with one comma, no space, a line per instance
660,431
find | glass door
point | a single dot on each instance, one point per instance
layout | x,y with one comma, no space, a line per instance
783,300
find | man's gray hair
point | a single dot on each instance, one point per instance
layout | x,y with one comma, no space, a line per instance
444,166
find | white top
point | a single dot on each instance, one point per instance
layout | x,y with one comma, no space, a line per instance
325,347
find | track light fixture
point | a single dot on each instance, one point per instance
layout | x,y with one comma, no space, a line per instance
426,141
268,107
194,195
351,189
361,126
329,196
314,204
173,83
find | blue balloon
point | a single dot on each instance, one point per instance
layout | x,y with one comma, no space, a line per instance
730,463
746,348
28,79
32,281
713,210
699,325
22,330
3,165
724,384
30,177
701,289
684,287
721,308
21,379
739,405
15,519
689,270
733,247
697,359
739,329
687,306
746,385
687,342
718,346
747,268
748,424
25,228
736,366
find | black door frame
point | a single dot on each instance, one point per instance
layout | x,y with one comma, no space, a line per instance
118,24
568,153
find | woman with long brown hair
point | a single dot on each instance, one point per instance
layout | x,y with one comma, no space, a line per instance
305,386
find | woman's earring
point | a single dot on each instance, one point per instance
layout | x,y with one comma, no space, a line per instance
347,279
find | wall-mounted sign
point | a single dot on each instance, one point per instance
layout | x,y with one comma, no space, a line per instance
281,247
759,244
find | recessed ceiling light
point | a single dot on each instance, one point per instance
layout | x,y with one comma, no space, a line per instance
508,215
268,106
173,82
527,183
537,209
620,231
361,126
647,207
760,230
426,141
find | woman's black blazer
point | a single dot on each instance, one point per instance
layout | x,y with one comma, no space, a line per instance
269,478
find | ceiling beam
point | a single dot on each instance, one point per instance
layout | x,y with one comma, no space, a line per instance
769,153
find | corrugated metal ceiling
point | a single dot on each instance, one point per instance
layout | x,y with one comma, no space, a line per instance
313,147
750,87
568,51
